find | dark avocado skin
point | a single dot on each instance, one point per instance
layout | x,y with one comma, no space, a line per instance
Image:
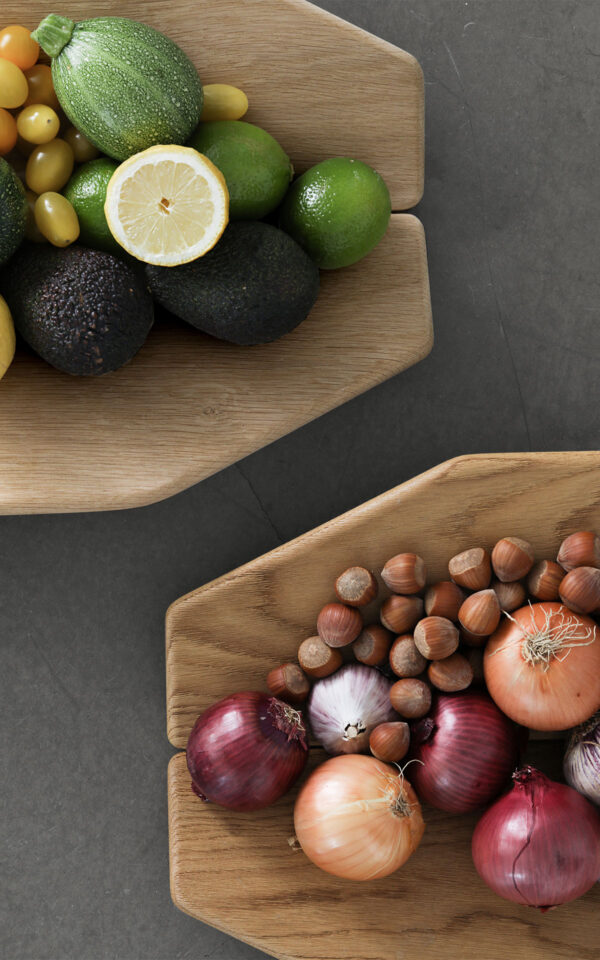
85,312
254,286
13,211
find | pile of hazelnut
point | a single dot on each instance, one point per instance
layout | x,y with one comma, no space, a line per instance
432,636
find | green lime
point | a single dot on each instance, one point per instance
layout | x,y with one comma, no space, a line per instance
338,211
86,192
256,169
13,211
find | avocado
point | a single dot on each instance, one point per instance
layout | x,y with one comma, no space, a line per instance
254,286
13,211
84,311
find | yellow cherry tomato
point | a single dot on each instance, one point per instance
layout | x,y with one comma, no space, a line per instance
82,149
18,46
8,339
8,132
13,85
38,123
49,166
223,102
40,86
56,219
31,228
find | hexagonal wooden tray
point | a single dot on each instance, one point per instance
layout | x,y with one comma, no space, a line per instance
237,871
187,405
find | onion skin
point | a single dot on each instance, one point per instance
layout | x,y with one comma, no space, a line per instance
582,760
358,818
556,695
246,751
344,708
467,750
539,845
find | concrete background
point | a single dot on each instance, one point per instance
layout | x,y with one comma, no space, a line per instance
511,212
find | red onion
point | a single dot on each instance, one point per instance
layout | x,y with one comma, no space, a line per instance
344,708
539,844
467,749
246,751
582,759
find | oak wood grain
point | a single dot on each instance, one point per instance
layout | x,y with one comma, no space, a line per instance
237,871
187,405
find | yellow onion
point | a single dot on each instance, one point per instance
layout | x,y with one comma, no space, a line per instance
358,818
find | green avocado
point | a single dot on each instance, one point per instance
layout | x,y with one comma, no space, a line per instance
13,211
254,286
83,311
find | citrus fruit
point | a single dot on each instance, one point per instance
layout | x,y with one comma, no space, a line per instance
167,205
338,211
257,170
86,192
7,337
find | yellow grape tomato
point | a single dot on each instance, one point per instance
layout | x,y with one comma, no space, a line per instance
13,85
40,86
82,149
223,102
8,132
17,45
56,219
49,166
31,228
38,123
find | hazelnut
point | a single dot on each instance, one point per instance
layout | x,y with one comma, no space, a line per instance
405,659
410,698
580,589
405,573
443,599
471,639
338,625
512,558
436,637
373,645
317,659
356,586
452,674
399,614
511,595
471,569
581,549
475,657
480,613
390,741
545,579
288,682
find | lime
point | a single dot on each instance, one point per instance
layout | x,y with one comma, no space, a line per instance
338,211
86,192
256,169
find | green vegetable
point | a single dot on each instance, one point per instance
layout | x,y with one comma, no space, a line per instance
125,86
83,311
254,286
13,211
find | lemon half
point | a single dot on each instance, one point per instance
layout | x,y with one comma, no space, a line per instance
167,205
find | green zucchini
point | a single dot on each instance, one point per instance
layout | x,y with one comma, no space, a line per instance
124,85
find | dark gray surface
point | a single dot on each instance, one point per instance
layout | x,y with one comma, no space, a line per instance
511,212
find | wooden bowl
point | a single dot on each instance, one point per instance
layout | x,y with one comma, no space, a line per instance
189,405
237,871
